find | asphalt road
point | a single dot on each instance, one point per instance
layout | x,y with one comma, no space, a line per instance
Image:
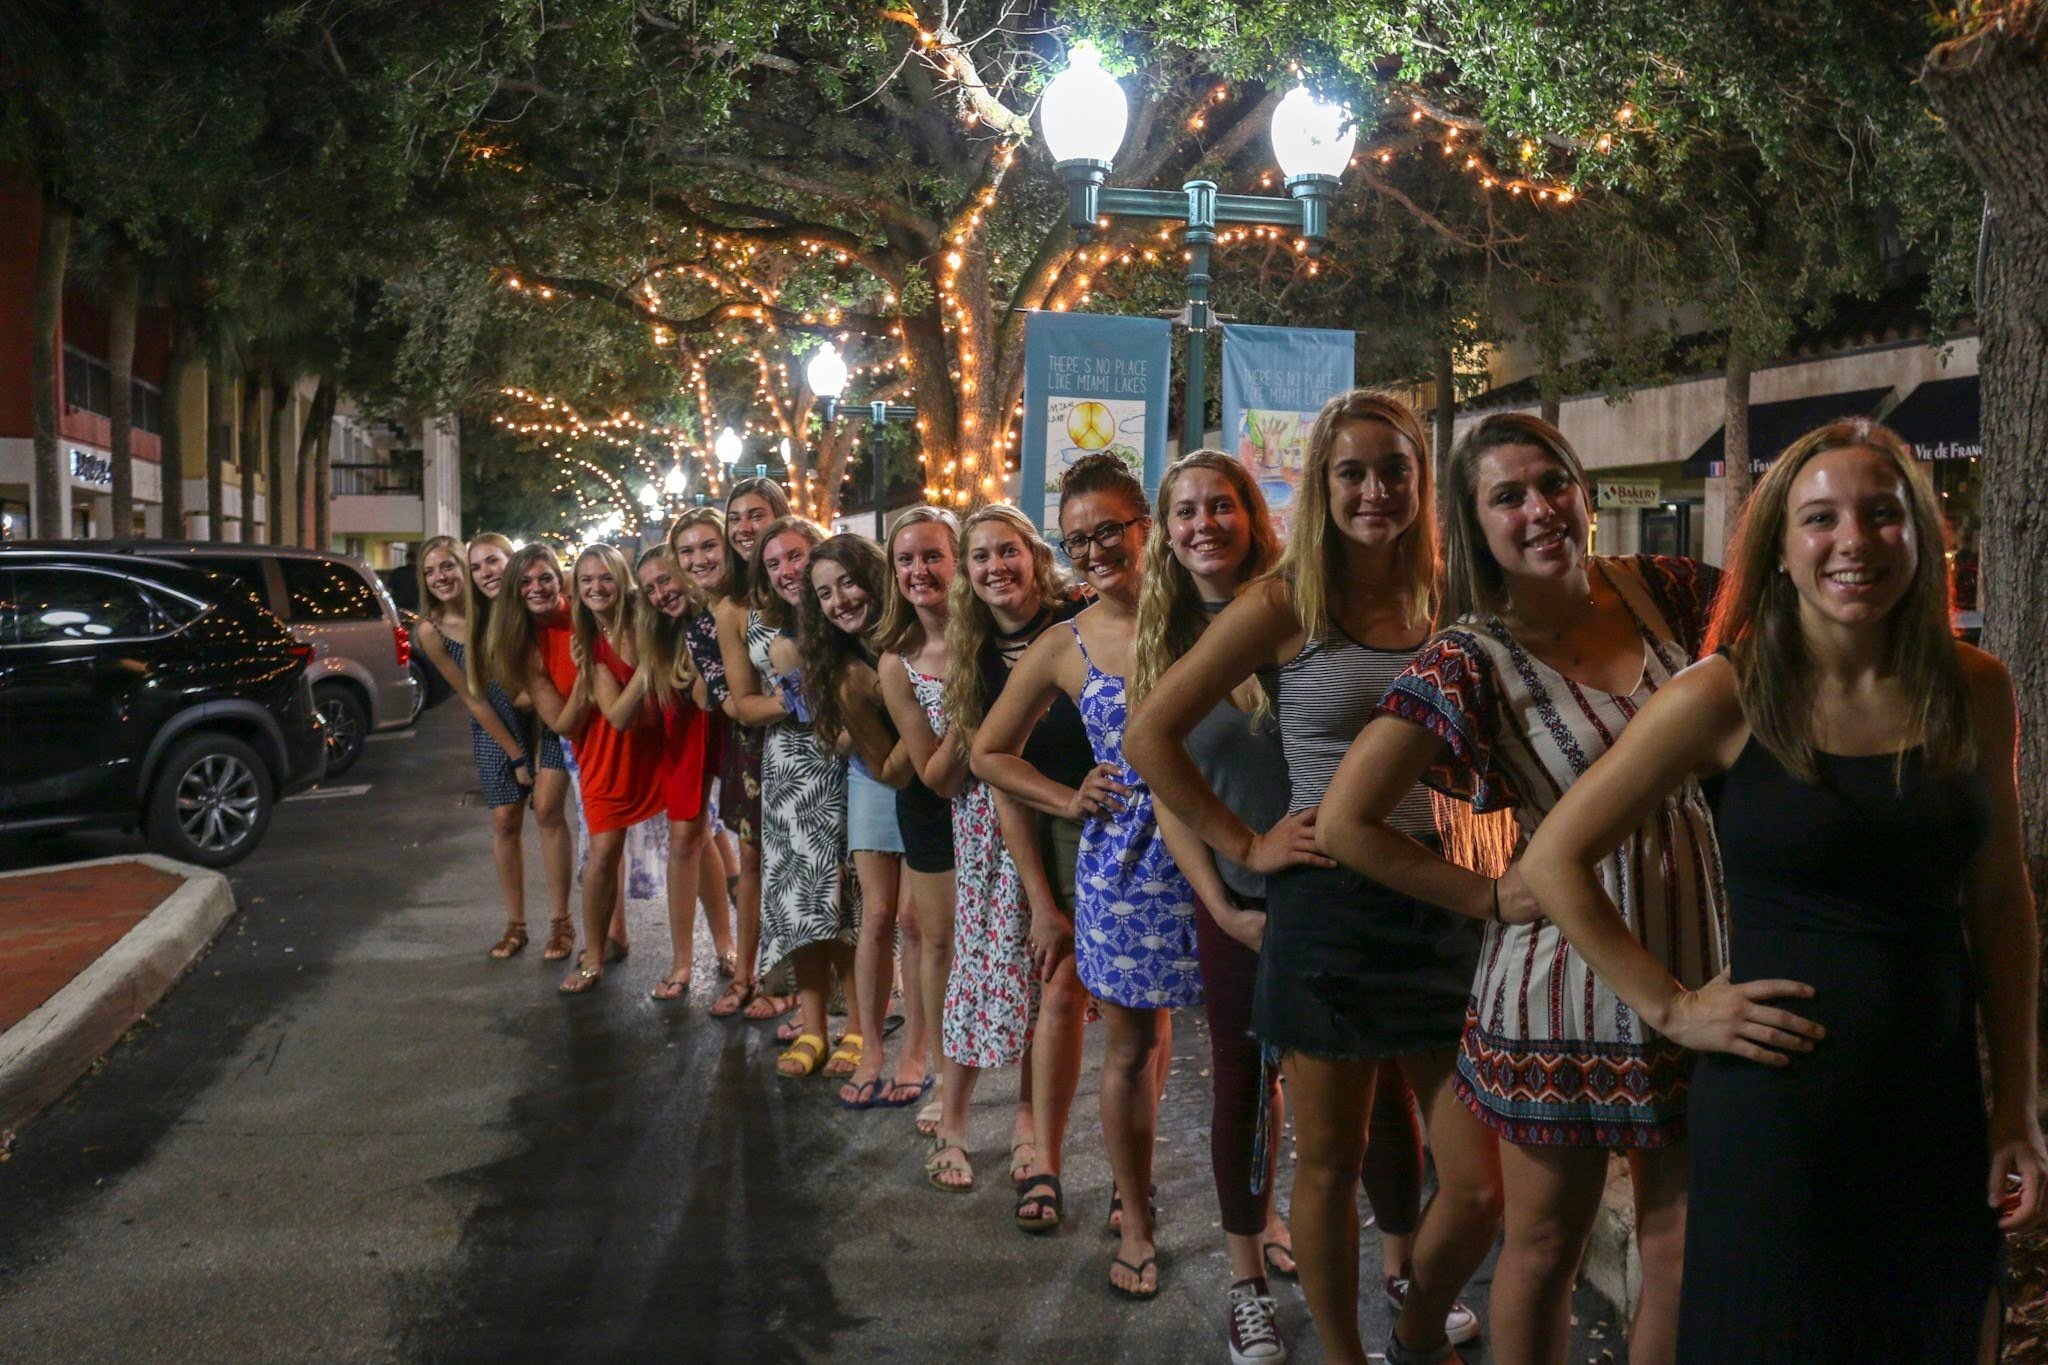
348,1136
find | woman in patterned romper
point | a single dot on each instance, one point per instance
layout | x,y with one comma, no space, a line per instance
1552,651
1134,916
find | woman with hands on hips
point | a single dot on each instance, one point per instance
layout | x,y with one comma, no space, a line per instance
1847,1195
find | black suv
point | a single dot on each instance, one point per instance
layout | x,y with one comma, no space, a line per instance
143,693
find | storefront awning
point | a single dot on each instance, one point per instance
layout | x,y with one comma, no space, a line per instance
1773,426
1940,420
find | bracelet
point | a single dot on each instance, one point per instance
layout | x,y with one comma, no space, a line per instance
522,762
1496,900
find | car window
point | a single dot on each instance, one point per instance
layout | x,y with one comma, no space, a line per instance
174,608
249,572
70,604
322,590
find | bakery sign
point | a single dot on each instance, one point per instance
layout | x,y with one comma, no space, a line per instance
1619,496
92,469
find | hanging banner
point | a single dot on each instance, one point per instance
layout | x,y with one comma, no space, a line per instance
1091,383
1275,381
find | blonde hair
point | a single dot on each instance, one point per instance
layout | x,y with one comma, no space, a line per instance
702,516
513,636
1171,615
1313,564
622,620
432,607
762,594
660,637
1473,581
1756,615
738,585
829,653
900,631
970,624
478,609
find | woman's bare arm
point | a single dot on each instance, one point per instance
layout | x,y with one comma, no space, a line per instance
938,764
1038,678
745,700
621,705
880,752
429,641
1380,768
566,716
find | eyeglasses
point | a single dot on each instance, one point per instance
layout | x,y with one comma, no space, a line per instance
1102,537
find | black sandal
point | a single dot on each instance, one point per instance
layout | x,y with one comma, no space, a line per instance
1114,1224
1033,1204
1150,1263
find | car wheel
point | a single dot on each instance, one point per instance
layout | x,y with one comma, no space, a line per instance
210,802
348,725
422,688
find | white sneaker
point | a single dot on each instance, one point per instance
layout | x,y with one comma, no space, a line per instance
1254,1336
1461,1324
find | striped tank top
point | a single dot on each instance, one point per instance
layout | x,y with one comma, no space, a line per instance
1324,696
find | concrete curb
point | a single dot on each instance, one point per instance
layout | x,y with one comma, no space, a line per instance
61,1038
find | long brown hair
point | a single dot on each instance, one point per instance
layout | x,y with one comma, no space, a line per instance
663,650
477,609
900,631
970,624
765,599
514,638
1473,581
1171,616
618,624
1756,616
1313,563
738,586
702,516
829,653
432,607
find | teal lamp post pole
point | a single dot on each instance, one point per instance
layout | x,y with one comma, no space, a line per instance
1084,115
827,376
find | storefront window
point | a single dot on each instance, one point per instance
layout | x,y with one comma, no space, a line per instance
1959,484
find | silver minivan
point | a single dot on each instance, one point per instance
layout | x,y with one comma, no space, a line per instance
361,679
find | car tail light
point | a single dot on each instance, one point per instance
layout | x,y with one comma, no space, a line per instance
403,641
302,652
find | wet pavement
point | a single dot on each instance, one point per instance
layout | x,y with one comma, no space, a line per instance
347,1135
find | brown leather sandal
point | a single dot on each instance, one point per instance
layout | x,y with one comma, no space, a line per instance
514,940
561,940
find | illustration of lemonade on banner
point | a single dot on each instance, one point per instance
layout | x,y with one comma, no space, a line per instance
1083,426
1274,446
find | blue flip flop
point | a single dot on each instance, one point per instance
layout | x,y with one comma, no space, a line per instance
874,1093
880,1102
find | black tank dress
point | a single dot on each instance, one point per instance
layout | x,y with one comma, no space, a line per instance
1837,1208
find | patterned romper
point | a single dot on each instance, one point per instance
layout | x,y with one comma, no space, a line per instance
1134,914
1550,1056
493,765
808,891
992,991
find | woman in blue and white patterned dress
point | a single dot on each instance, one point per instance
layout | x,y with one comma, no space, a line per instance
1134,915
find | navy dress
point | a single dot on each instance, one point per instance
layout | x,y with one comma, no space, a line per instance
1837,1208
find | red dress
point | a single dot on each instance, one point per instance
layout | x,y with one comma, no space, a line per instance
618,772
687,756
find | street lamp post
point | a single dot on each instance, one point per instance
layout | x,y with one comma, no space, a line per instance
1084,115
827,375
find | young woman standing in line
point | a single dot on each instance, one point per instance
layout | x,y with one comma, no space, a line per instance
1551,652
1869,829
504,768
1007,594
810,905
1351,974
749,506
490,555
667,683
1214,537
1134,931
698,539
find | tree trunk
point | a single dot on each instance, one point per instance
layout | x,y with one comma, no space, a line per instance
253,386
323,500
220,434
312,440
45,373
1446,404
1991,89
172,472
1735,478
124,290
273,483
1550,409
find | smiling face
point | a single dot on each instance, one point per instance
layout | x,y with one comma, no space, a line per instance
442,573
1207,525
662,588
701,551
1113,570
841,598
1531,511
1374,484
783,560
923,561
540,588
1000,568
1850,548
487,563
596,588
744,519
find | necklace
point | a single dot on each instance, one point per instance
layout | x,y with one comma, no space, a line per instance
1027,629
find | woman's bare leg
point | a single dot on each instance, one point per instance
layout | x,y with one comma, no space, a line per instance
1332,1100
1659,1178
874,962
1130,1123
508,851
1553,1195
601,884
1458,1227
557,848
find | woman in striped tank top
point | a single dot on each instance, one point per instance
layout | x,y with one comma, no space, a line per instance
1552,650
1351,975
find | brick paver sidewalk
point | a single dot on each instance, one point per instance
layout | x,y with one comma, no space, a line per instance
53,925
